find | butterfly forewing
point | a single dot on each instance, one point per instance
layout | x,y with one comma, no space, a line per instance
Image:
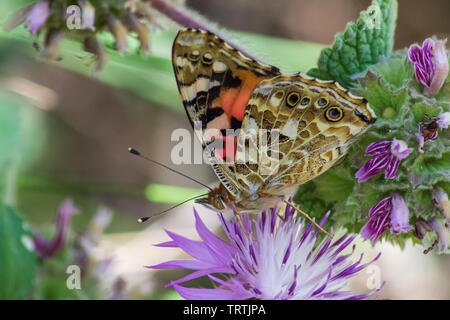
215,82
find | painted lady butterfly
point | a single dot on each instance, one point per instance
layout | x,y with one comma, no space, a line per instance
222,89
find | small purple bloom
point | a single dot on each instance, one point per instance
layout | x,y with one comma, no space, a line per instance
421,229
386,156
48,249
443,236
390,212
38,16
430,64
429,130
279,259
440,200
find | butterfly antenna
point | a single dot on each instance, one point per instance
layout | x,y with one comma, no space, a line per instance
143,219
137,153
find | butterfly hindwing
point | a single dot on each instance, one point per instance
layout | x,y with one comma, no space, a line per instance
302,140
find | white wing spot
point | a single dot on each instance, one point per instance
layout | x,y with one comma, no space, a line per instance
219,66
290,129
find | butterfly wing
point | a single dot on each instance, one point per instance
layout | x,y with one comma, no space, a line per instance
309,123
215,83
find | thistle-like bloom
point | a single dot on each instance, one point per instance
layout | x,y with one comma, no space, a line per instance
386,156
38,16
390,212
48,249
429,130
430,64
275,258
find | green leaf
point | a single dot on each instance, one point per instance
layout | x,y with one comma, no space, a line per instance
362,44
333,187
17,256
386,103
433,167
21,137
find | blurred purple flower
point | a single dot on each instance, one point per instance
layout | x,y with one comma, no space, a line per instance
279,259
88,16
386,156
390,212
430,64
429,130
38,16
48,249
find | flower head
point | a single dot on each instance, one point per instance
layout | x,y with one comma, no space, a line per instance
430,64
279,259
38,16
390,212
386,156
48,249
429,130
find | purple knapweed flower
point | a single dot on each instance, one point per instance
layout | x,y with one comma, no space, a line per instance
38,16
48,249
429,130
386,156
275,258
430,64
390,212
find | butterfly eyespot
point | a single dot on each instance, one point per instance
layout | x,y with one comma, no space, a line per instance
305,101
334,114
292,99
207,58
322,102
194,55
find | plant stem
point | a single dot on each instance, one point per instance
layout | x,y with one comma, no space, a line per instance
188,21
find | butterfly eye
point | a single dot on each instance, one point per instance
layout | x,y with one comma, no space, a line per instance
207,58
334,114
305,101
292,99
194,55
322,102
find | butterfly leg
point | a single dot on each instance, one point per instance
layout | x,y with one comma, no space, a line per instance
238,217
308,217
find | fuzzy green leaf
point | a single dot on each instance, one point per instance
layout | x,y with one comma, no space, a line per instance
17,256
362,44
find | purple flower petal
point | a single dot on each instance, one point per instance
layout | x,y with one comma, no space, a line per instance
399,215
269,263
38,16
48,249
386,156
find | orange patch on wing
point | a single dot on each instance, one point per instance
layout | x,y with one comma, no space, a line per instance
234,100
